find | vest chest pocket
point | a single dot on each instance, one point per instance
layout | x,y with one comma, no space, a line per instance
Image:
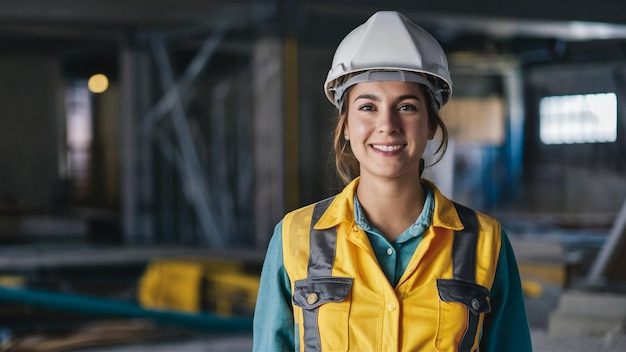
461,310
312,292
473,296
324,304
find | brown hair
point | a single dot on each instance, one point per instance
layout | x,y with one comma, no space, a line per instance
346,164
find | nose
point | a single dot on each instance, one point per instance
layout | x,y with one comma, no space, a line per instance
388,121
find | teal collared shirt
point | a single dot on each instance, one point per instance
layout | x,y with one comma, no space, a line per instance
393,258
505,328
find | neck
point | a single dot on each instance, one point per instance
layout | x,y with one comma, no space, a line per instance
391,207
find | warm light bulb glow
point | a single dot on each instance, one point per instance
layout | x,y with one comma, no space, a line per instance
98,83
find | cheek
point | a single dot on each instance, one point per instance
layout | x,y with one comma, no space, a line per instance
420,128
357,128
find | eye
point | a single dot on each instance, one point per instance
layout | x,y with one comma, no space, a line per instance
367,107
407,107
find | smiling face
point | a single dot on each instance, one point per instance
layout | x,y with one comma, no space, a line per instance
388,128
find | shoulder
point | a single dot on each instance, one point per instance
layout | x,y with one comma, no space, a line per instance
490,222
304,211
299,220
307,210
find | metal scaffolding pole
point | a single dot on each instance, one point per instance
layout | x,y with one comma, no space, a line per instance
194,186
214,209
194,180
218,150
133,63
613,245
195,67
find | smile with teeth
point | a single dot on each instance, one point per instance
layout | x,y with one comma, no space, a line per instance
387,148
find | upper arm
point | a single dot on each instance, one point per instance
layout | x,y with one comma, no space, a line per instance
506,327
273,328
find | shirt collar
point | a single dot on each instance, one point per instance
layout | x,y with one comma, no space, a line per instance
444,214
342,208
416,229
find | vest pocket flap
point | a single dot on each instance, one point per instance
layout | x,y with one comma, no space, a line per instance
312,292
472,295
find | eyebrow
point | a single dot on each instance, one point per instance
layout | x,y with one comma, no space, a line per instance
377,98
408,96
367,96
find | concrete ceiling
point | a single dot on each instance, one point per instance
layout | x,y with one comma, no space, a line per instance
536,17
515,26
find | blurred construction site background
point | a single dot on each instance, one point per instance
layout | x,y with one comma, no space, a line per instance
148,148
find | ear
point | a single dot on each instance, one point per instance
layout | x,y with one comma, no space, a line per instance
346,135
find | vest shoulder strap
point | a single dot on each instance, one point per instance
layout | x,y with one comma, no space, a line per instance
322,243
464,245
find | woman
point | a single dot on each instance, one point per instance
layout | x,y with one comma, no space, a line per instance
389,264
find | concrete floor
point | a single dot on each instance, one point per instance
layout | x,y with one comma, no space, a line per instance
541,343
240,343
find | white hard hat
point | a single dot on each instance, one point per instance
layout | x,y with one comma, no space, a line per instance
388,41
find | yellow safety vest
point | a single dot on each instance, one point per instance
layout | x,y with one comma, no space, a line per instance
342,300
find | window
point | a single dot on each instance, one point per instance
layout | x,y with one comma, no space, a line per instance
79,135
586,118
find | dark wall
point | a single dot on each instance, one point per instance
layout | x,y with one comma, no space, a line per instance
31,101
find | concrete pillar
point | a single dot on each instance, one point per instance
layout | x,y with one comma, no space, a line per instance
134,77
268,137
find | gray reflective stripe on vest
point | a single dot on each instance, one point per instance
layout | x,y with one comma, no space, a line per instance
464,245
321,258
464,265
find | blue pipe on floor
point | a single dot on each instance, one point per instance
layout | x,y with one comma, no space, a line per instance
100,306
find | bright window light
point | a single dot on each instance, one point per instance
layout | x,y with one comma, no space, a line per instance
585,118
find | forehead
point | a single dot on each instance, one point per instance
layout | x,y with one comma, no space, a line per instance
386,89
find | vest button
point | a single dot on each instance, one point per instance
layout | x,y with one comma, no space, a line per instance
391,307
475,304
311,298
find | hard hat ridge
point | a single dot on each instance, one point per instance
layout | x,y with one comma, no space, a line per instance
378,32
